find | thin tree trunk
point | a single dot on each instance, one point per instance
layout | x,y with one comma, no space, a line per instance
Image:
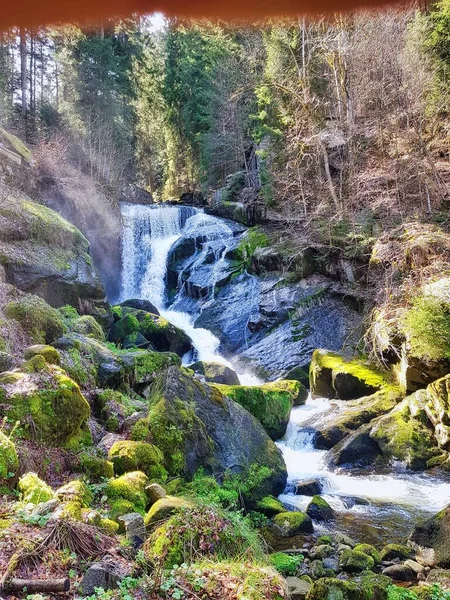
23,77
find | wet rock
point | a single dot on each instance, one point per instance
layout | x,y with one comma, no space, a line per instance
216,372
328,437
399,573
319,509
134,526
318,570
310,487
108,441
322,551
297,588
434,534
293,523
357,449
355,561
266,259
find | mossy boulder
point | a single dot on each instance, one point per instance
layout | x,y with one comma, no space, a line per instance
95,467
355,561
290,524
329,588
75,491
319,509
332,376
88,326
270,403
50,353
165,508
270,506
43,323
146,365
358,449
9,461
370,551
215,372
44,254
33,490
48,404
130,487
393,551
162,335
127,455
195,426
434,533
404,434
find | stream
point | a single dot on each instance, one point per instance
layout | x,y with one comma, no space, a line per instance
374,506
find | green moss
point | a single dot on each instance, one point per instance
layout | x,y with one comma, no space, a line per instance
17,144
121,507
33,490
325,540
355,561
88,326
140,431
270,506
71,510
125,327
202,531
370,551
50,354
253,239
165,508
117,312
293,523
147,364
75,491
427,328
95,467
68,313
49,406
286,564
43,323
270,403
392,551
131,487
127,455
329,588
9,461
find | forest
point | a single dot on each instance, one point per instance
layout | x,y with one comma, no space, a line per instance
225,308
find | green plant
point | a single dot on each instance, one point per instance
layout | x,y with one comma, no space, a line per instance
285,563
398,593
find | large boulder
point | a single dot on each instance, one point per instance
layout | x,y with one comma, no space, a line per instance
270,403
215,372
47,403
197,426
435,400
43,254
434,534
356,450
332,376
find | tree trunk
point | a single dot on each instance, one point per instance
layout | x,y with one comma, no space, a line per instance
23,76
39,585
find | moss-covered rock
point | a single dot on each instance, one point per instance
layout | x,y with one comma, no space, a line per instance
48,404
329,588
121,507
42,322
319,509
435,400
370,551
393,551
88,326
332,376
293,523
75,491
95,467
127,455
433,533
50,353
355,561
146,365
270,506
270,403
130,487
166,507
33,490
215,372
9,461
195,426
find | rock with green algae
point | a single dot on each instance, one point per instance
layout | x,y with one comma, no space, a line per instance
293,523
270,403
9,461
355,561
127,455
195,426
332,376
270,506
75,491
33,490
393,551
130,487
95,467
119,508
162,335
42,322
404,434
48,404
329,588
215,372
50,353
166,507
319,509
88,326
370,551
434,534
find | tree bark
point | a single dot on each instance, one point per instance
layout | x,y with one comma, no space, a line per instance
23,76
39,585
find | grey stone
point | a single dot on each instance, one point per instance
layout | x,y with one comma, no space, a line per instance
415,566
341,538
309,487
45,508
155,492
134,528
331,563
99,575
399,573
297,588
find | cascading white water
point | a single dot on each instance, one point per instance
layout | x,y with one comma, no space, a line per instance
387,499
149,234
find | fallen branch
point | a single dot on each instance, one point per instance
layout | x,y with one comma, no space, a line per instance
39,585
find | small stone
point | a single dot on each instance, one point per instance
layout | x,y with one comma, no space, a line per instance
421,577
297,588
399,573
412,564
310,487
99,575
341,538
45,508
134,528
331,563
155,492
